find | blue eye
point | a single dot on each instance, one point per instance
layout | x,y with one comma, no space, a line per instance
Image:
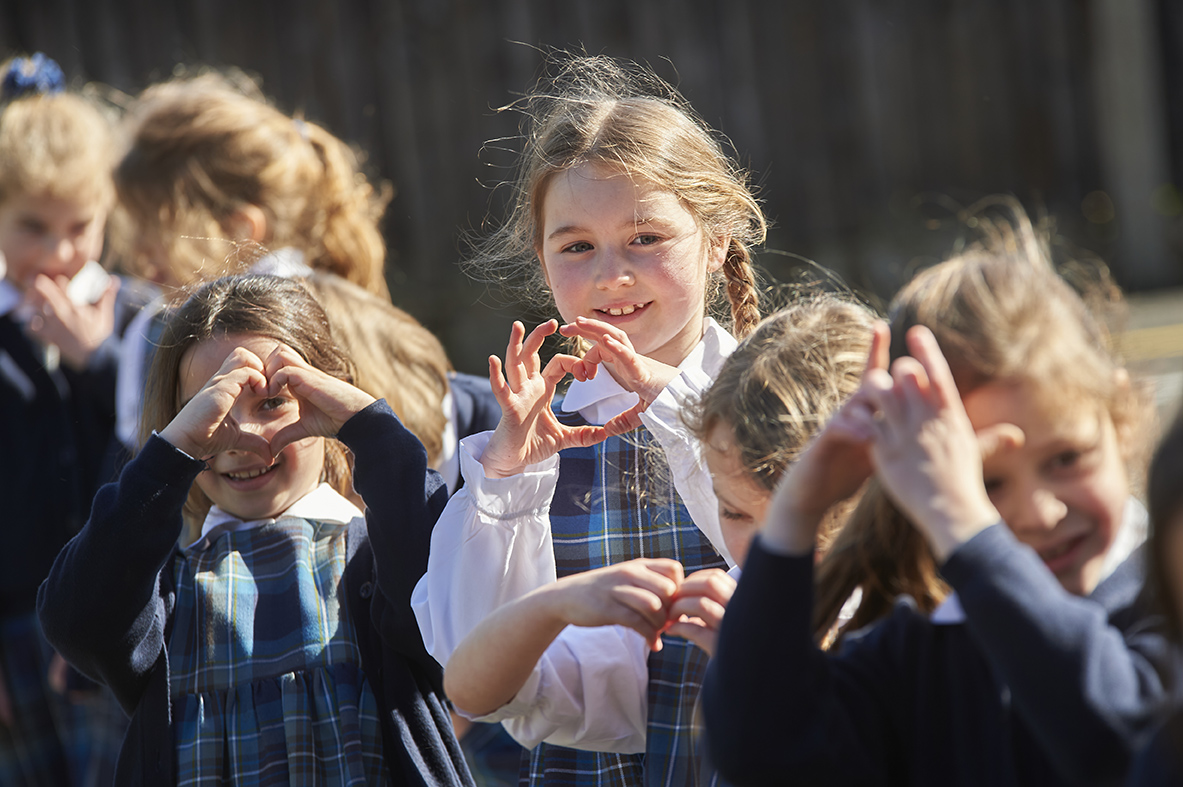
578,247
647,240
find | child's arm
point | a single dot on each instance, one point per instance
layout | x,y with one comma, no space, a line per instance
584,687
1089,689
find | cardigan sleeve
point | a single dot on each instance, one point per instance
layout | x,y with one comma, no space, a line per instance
104,605
1090,690
775,704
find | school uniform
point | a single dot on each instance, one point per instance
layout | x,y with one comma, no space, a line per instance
55,426
1160,762
1031,686
296,629
587,508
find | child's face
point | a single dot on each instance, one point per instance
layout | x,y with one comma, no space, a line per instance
742,501
50,235
239,482
630,254
1063,490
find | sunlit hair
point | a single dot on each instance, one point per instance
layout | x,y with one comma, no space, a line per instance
276,308
59,145
1164,501
614,114
394,356
1001,311
202,148
783,383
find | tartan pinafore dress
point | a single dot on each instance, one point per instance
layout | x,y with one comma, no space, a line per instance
616,501
266,678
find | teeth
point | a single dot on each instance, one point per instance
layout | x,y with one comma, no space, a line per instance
249,474
624,310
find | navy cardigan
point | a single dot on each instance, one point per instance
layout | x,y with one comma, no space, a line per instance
107,605
1036,687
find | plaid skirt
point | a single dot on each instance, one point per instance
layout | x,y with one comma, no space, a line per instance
266,673
31,749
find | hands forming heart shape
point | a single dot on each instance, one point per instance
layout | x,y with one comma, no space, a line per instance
528,431
256,405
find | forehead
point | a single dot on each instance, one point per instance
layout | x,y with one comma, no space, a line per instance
1042,414
595,191
203,360
49,209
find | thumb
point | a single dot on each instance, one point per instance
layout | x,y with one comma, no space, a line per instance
999,439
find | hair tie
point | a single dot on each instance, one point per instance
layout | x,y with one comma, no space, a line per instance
32,75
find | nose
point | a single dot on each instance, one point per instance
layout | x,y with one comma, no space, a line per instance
1036,512
614,271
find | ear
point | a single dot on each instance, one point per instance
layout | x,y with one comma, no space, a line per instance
249,223
717,253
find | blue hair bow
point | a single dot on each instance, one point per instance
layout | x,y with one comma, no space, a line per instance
32,75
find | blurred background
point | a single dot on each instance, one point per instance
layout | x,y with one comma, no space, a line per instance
865,124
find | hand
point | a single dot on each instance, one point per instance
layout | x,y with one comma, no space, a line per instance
76,329
925,450
612,346
326,402
636,593
834,466
205,426
697,611
528,431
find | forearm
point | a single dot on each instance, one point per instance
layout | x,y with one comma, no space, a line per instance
492,663
491,545
1089,690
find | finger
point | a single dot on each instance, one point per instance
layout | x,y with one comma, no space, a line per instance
695,631
514,374
537,336
291,433
255,444
501,389
559,366
879,356
670,570
709,611
627,421
711,583
282,357
594,330
998,440
924,348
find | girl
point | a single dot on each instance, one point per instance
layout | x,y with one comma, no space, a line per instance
211,166
627,209
60,319
522,666
279,648
1040,668
213,175
1161,762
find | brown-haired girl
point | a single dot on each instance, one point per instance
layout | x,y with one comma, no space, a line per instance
280,647
212,168
587,684
1010,460
626,211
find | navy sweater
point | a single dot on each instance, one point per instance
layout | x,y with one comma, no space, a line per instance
107,605
1037,687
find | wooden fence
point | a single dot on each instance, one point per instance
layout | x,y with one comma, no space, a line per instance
862,120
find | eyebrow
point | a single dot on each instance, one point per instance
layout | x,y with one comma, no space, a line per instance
574,229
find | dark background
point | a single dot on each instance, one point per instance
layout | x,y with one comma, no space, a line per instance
864,122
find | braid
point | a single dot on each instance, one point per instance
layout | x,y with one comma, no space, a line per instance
741,290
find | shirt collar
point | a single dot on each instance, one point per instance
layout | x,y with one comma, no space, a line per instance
601,398
323,504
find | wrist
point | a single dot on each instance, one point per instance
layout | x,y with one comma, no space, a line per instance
947,531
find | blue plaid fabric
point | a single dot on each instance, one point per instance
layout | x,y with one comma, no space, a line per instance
266,678
32,753
616,501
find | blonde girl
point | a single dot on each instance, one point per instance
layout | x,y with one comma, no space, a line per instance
1003,432
60,317
520,665
628,211
212,169
280,647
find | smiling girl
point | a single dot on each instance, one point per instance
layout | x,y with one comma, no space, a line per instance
279,648
1002,435
628,212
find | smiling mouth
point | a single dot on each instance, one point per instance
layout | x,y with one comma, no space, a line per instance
1054,556
623,311
246,475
